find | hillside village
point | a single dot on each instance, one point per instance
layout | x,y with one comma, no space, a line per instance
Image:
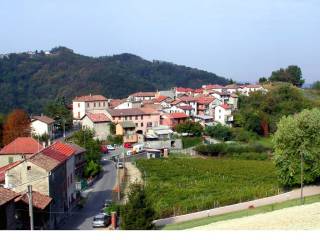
55,167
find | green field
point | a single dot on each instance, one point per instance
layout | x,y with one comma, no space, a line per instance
182,184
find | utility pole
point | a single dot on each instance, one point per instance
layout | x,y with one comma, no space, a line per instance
301,174
30,206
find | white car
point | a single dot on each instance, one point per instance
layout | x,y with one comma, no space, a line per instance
120,165
110,147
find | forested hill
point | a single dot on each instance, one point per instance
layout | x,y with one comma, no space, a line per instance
30,80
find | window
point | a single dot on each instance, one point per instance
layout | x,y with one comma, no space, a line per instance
136,124
141,117
149,124
141,124
130,118
125,118
94,104
99,104
28,168
104,104
136,117
78,114
88,105
78,104
10,160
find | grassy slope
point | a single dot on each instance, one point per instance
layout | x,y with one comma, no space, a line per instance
239,214
182,184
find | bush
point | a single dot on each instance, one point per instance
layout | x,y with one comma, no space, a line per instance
242,135
193,128
188,142
116,139
219,132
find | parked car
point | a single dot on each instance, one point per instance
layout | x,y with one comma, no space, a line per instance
120,165
110,147
104,149
101,220
127,145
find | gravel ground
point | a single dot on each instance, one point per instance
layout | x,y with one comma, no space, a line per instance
304,217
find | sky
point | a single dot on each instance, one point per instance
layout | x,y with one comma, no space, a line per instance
239,39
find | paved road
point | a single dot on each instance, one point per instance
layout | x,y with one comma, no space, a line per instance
98,193
294,194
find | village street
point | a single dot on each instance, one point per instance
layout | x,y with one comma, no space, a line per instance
97,194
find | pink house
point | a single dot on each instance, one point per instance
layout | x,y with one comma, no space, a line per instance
173,119
143,118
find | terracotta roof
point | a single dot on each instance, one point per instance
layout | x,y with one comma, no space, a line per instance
151,101
178,115
149,110
89,98
6,168
116,102
205,100
43,161
144,94
39,200
22,145
232,86
175,102
181,89
187,99
161,98
98,117
76,148
7,195
59,151
225,106
126,112
253,86
185,107
198,90
44,119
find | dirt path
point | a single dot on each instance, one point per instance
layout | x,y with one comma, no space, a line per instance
133,176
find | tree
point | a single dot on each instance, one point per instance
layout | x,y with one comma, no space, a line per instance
1,130
316,85
85,139
193,128
219,132
138,213
263,80
292,74
298,138
17,124
60,113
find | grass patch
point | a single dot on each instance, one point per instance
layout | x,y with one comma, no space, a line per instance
239,214
188,142
181,184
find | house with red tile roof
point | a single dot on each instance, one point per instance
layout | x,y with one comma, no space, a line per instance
142,96
205,105
19,149
99,123
42,125
89,103
223,114
143,118
179,91
172,119
7,209
52,171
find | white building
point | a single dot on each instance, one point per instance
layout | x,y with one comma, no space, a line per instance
90,103
41,125
223,114
128,104
99,123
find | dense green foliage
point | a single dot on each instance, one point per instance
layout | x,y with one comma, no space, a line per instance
260,112
115,139
253,151
316,85
193,128
58,110
1,129
188,142
29,82
297,138
181,184
292,74
137,213
84,138
219,132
